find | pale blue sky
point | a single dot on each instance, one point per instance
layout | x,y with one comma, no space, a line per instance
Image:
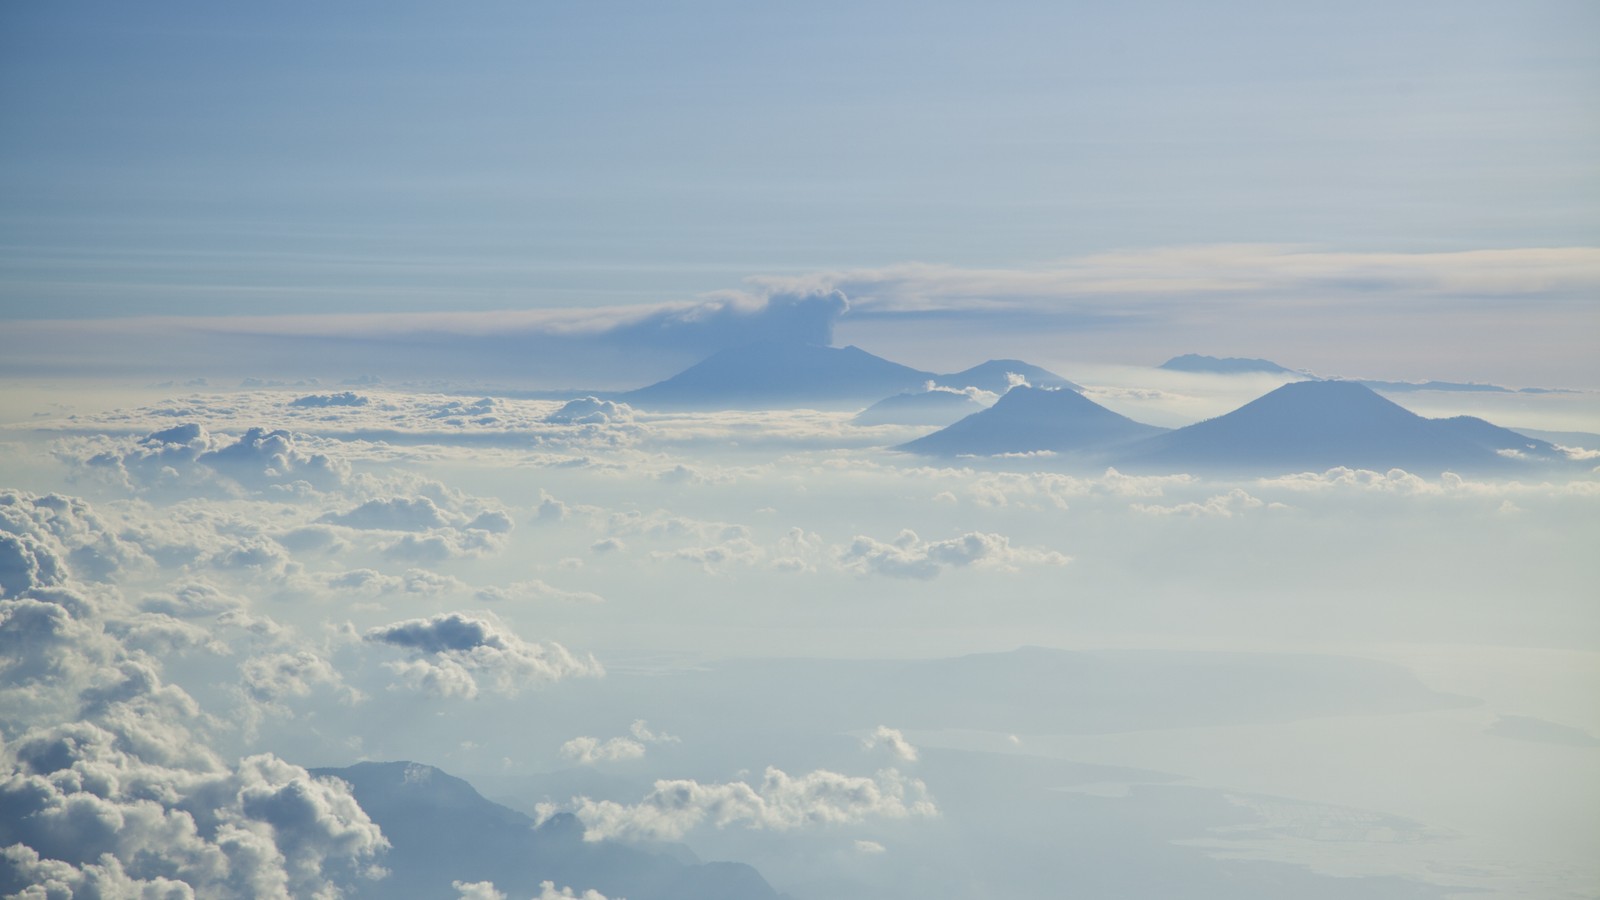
198,158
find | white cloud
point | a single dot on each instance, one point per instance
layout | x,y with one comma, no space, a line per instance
128,797
1235,502
588,751
780,802
591,411
892,740
549,891
908,556
477,890
273,677
394,514
452,653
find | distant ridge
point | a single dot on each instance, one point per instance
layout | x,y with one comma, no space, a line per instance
767,374
1317,425
939,406
1029,420
994,376
442,830
1230,365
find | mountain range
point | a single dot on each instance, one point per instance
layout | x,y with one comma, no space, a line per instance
793,374
1227,365
1029,420
1304,425
442,830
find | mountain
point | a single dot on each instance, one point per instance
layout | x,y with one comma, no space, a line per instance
1029,419
994,377
769,374
938,406
1318,425
442,830
1231,365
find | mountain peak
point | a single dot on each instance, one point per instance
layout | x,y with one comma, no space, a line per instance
995,376
781,374
1317,425
1031,419
1226,365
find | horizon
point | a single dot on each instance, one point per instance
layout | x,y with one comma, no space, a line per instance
464,387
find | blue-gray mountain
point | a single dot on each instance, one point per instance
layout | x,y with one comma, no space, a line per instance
1317,425
768,374
1305,425
994,376
442,830
795,374
1227,365
1029,420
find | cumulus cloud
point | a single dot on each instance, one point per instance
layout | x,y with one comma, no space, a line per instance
427,531
453,654
127,798
485,890
591,411
274,677
892,740
589,751
1234,503
908,556
779,802
322,401
189,454
394,514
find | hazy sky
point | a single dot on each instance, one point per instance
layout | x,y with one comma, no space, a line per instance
295,300
197,158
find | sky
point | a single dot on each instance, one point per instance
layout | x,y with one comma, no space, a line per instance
323,482
203,161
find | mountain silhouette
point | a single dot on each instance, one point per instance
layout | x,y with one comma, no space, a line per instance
1030,419
442,830
994,376
781,374
1317,425
939,406
1229,365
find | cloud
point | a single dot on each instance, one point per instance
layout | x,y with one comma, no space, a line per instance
780,802
273,677
1235,502
394,514
485,890
322,401
591,411
594,344
908,556
892,740
588,751
476,890
127,797
189,454
1244,274
451,652
432,533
